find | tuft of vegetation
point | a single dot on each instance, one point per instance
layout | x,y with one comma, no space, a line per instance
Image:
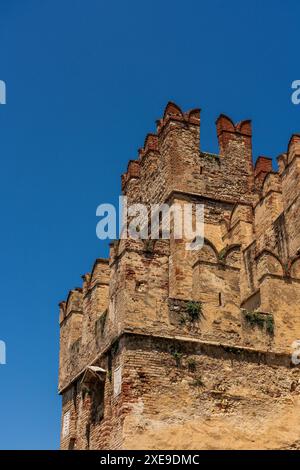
194,310
254,318
263,321
198,382
177,356
149,246
192,365
270,326
222,254
185,312
85,390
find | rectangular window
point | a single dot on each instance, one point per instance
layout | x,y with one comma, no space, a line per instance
66,424
117,381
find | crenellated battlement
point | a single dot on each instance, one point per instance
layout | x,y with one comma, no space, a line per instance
153,302
171,159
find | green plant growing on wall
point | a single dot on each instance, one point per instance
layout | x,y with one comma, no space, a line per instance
198,382
149,246
185,312
194,310
85,390
254,318
222,254
270,324
177,356
192,365
260,320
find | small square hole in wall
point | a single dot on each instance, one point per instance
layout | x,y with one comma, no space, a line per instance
140,286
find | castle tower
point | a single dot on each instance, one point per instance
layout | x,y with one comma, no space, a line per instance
161,345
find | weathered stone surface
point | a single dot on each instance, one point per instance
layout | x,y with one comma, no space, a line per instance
192,349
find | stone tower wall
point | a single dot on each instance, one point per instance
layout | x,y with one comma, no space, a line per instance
161,342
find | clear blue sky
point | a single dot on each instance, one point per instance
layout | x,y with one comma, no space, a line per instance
85,82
